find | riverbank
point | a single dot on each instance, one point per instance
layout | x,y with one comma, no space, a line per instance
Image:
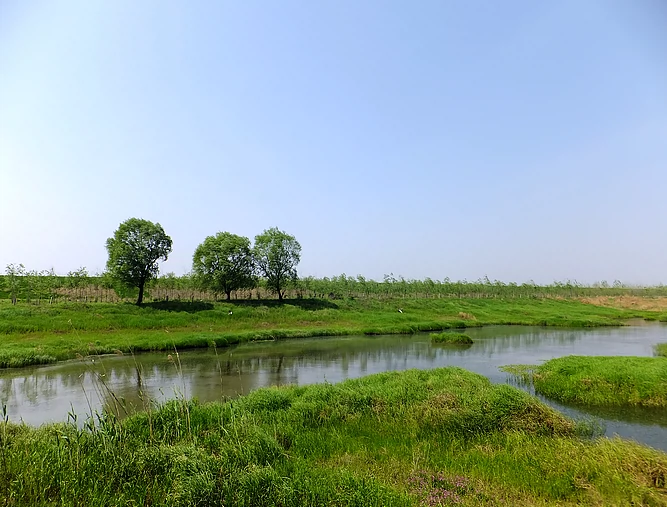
436,437
40,334
595,380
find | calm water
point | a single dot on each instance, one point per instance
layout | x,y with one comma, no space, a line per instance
41,394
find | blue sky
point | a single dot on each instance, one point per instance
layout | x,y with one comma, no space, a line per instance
518,140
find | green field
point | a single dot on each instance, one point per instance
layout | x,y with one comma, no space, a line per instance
611,381
438,437
661,349
38,334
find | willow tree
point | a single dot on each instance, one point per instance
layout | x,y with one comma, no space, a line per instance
134,252
223,263
277,255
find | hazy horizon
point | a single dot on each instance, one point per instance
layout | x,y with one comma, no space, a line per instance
517,140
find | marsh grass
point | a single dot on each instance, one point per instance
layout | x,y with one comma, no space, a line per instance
438,437
591,380
451,338
48,333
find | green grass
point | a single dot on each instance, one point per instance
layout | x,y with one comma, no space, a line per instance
661,349
36,334
438,437
615,381
451,338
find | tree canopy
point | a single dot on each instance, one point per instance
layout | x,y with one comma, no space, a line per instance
223,263
134,252
277,255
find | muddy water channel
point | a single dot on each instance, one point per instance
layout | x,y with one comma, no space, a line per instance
127,383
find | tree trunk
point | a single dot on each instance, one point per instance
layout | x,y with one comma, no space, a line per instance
229,294
280,295
141,293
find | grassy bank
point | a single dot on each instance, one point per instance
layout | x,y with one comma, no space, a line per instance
438,437
640,381
46,333
451,338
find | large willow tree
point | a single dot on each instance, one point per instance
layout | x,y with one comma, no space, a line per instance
276,255
134,252
223,263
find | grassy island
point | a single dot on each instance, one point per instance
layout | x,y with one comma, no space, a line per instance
451,338
593,380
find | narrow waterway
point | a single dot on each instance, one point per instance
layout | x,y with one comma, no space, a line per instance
128,383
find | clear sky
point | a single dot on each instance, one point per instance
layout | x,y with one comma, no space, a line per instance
518,139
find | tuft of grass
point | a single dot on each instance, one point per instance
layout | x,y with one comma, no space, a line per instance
451,338
588,380
412,438
661,349
523,371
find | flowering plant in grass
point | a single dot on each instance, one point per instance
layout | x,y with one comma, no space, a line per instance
437,489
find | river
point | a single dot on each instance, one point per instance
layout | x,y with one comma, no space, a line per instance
127,383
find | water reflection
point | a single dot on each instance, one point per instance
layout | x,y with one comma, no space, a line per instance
40,394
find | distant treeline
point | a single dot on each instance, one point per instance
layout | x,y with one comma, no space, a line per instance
47,286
